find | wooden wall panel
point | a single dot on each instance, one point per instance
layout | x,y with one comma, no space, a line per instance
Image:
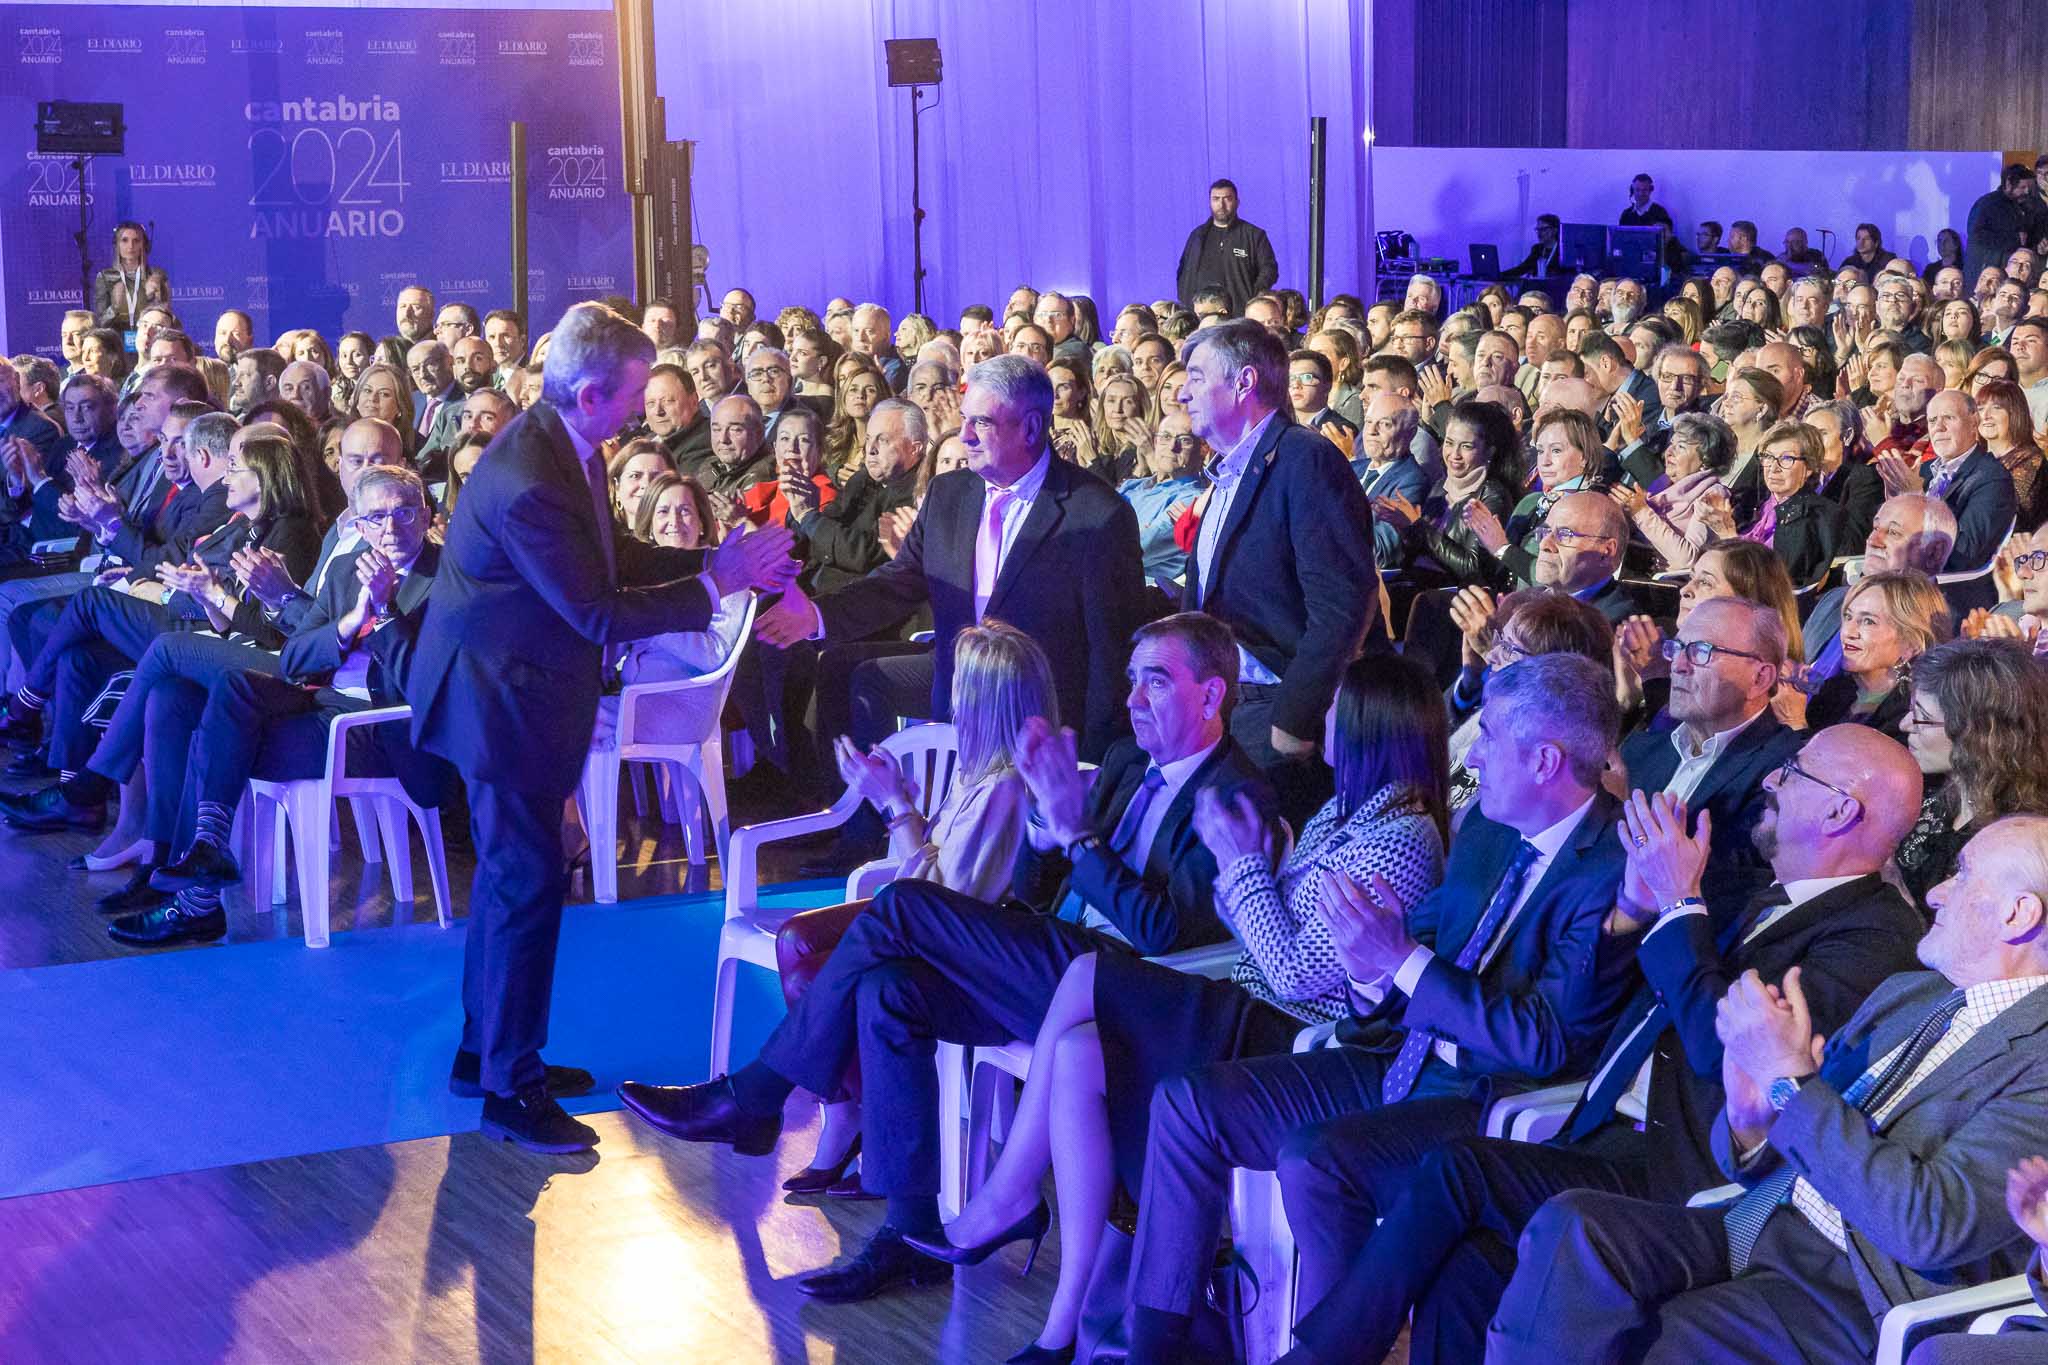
1979,74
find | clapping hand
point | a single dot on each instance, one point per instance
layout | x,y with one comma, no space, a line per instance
1396,511
756,559
1230,827
1768,1029
1369,930
379,577
1472,614
15,457
2026,1198
1629,498
790,620
1640,641
798,491
1667,860
1485,526
1628,418
192,578
263,574
1897,472
873,775
1049,762
894,528
1434,385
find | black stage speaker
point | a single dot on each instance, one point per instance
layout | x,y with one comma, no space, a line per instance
912,61
63,126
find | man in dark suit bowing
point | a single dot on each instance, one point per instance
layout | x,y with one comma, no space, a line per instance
1283,554
1874,1161
1494,979
923,964
531,588
1444,1245
1717,738
1019,535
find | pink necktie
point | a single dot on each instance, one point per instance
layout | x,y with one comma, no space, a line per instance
988,550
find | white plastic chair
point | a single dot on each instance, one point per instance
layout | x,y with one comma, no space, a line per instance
1533,1115
693,752
1968,577
927,754
1989,1305
306,805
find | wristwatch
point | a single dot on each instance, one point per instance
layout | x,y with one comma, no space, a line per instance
1782,1090
1682,903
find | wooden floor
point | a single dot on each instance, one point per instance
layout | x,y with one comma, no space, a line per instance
460,1249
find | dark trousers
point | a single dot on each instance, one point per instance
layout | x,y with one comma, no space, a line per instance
153,726
515,919
862,688
1443,1247
99,632
1607,1278
2016,1344
1207,1122
1301,783
921,965
256,724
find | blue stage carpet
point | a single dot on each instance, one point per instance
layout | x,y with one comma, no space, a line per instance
139,1067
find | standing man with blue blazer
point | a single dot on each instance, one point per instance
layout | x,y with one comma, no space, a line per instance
1283,555
531,588
1495,979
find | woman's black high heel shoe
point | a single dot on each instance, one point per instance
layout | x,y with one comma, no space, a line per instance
1032,1225
1034,1354
819,1179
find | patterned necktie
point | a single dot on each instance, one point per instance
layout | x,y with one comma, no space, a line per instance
1401,1076
1748,1215
1943,477
988,548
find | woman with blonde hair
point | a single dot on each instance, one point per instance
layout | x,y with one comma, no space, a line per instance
1123,424
969,844
1888,621
384,391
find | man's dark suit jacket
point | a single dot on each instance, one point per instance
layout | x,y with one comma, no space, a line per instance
1805,538
1845,941
844,535
45,522
1294,575
193,514
1746,492
690,445
1923,1199
1073,580
1541,1007
1857,492
1982,497
505,681
51,446
1732,791
1171,905
313,654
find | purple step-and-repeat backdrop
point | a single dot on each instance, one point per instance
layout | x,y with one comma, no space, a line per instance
307,164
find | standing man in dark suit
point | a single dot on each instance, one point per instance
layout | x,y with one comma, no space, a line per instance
1493,979
1019,535
530,589
1873,1167
1226,253
923,963
1444,1248
1283,555
1717,739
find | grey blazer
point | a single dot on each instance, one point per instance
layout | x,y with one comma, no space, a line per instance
1923,1201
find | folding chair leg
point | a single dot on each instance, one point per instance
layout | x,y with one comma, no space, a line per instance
599,800
951,1060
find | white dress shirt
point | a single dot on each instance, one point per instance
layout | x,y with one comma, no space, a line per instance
1692,767
1175,775
1226,473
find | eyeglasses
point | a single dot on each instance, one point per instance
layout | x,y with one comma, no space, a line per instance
2030,563
1305,380
1784,459
390,516
1566,537
764,372
1503,652
1702,652
1790,768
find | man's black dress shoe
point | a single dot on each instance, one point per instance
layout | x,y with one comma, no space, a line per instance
19,724
46,809
168,924
465,1078
883,1264
204,864
703,1113
31,764
137,894
534,1121
1034,1354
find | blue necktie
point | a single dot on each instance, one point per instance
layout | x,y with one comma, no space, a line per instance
1122,838
1748,1215
1401,1076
